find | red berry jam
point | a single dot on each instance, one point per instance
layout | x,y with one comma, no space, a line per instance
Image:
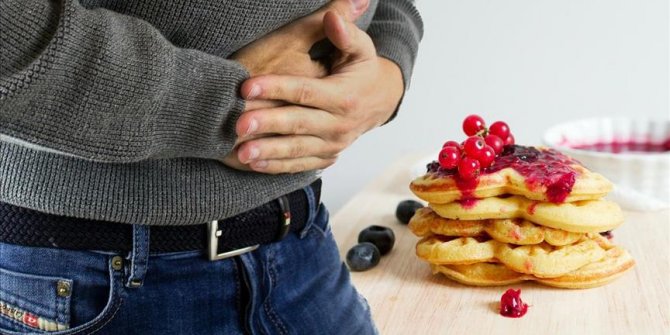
468,202
546,168
511,305
617,147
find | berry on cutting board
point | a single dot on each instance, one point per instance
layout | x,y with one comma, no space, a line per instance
382,237
511,305
406,209
363,256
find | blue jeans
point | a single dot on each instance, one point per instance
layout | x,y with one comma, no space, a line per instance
295,286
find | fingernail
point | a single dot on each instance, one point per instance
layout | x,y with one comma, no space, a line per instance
359,5
253,126
254,92
253,154
260,164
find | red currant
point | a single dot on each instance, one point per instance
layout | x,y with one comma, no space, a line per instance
452,144
509,140
511,304
500,129
486,156
468,168
473,145
449,157
472,124
495,142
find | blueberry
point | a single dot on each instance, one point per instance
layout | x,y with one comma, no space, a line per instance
382,237
406,210
363,256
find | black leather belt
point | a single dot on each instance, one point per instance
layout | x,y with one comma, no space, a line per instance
222,238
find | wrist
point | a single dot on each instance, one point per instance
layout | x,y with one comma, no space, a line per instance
395,85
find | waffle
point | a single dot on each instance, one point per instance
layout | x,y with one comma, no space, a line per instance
461,250
589,216
541,260
545,261
516,231
615,263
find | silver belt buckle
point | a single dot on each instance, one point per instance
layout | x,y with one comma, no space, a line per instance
214,234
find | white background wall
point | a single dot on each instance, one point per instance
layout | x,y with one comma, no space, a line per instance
532,63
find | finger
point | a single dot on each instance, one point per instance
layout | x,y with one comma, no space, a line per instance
292,165
285,147
232,161
309,29
347,37
321,93
287,120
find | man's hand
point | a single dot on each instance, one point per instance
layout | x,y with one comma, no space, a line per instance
286,52
324,115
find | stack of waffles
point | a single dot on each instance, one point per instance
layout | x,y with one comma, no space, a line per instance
535,214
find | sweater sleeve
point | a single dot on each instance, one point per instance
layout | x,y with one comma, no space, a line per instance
396,29
109,87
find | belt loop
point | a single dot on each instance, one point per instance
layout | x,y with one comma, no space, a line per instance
139,256
285,217
312,208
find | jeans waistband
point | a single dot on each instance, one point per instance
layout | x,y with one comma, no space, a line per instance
260,225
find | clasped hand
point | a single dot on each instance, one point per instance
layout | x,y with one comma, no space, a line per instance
302,119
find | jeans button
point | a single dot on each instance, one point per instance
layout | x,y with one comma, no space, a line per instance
117,263
63,289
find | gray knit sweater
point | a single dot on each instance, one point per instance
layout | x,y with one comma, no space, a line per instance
117,109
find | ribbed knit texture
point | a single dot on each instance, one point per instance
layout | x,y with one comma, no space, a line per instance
396,29
139,99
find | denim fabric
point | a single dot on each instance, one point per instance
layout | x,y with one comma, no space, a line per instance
296,286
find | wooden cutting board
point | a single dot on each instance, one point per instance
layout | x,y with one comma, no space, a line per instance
406,298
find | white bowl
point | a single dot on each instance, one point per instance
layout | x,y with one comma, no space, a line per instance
642,178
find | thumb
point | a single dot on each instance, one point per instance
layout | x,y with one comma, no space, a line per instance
350,10
347,37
